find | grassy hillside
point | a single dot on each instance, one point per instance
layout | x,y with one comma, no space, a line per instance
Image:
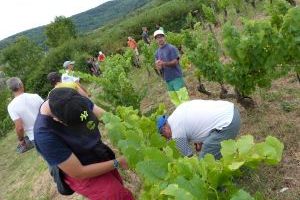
85,21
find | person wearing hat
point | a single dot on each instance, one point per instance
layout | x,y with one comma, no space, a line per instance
206,123
158,27
23,110
101,57
69,77
167,62
67,136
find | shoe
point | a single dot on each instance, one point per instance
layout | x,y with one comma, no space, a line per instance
27,145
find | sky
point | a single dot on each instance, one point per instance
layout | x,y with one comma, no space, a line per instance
20,15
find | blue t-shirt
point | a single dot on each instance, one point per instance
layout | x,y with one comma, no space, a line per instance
56,142
168,53
145,37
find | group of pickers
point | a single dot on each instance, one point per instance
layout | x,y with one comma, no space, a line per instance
64,127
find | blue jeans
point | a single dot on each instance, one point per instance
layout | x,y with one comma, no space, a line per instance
212,144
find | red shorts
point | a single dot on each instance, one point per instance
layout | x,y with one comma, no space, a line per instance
108,186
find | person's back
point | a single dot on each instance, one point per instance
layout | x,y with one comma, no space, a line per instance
101,57
132,44
25,106
197,118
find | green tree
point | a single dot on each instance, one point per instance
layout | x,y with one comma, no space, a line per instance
21,58
60,31
5,122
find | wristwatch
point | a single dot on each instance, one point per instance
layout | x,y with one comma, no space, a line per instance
116,164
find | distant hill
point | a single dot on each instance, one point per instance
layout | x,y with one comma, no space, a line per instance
85,21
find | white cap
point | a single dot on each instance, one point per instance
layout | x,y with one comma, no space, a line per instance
67,63
100,52
158,32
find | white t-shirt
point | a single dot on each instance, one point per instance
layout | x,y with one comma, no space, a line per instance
194,119
68,77
26,107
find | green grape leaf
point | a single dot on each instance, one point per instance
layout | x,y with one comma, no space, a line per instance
133,156
274,158
267,152
115,132
278,146
228,150
235,165
157,141
152,170
241,195
110,118
169,152
151,153
245,144
176,192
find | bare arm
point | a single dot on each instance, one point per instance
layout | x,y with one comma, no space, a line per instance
160,64
171,63
81,90
75,169
19,129
98,111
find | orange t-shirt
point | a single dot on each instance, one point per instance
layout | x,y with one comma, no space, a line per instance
132,44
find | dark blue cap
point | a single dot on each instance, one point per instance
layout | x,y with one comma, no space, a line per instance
161,121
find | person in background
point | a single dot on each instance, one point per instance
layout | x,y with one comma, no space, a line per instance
93,69
101,57
206,123
23,110
158,27
54,79
167,62
133,45
69,77
67,136
145,35
96,64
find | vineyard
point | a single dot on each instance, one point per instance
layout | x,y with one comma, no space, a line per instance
233,50
246,57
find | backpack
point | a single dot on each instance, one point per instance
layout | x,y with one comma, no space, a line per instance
58,177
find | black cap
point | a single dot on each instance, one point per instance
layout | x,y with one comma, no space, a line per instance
69,106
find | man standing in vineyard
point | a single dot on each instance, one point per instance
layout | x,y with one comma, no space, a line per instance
23,110
167,61
206,123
